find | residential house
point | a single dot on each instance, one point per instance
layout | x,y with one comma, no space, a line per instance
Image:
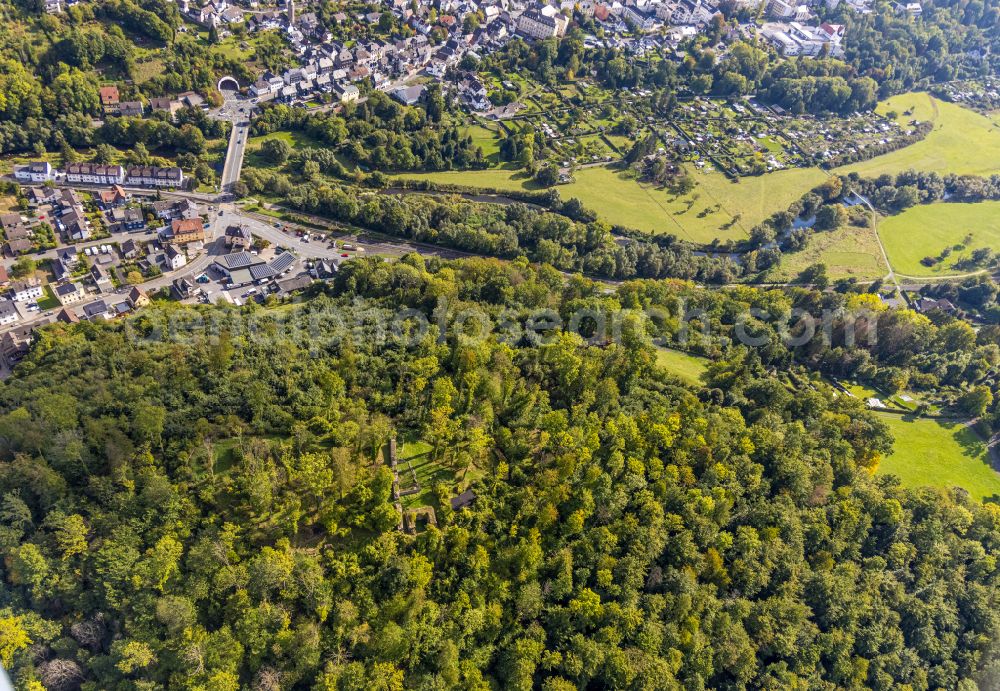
324,268
165,104
131,109
14,344
238,237
69,293
110,103
16,248
130,249
463,500
68,198
924,305
95,174
67,316
295,283
8,312
191,99
16,233
169,210
116,196
183,287
344,59
346,92
96,310
101,279
187,230
37,196
73,223
127,220
359,72
137,298
261,88
26,289
36,171
174,258
153,176
536,25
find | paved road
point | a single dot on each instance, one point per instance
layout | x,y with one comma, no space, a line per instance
234,155
236,109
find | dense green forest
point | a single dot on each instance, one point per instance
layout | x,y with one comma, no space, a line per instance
191,499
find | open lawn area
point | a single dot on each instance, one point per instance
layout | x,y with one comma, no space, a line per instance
686,367
935,453
486,139
701,216
625,201
962,140
622,200
504,178
848,252
49,301
296,140
926,230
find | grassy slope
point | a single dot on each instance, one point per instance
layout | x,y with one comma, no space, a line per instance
939,454
928,229
962,140
486,139
848,251
619,199
297,140
684,366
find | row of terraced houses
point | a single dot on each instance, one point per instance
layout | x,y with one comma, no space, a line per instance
99,174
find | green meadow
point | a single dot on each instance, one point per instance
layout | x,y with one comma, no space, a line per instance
847,252
688,368
928,229
936,453
716,209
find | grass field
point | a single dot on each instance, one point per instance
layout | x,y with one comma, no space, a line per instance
686,367
848,252
295,140
486,139
621,200
632,204
927,229
504,178
148,68
934,453
49,301
962,140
